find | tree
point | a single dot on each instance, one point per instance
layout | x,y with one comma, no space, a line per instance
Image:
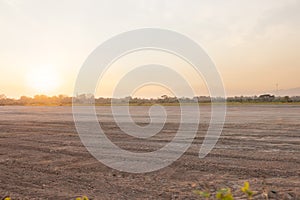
2,96
2,99
24,100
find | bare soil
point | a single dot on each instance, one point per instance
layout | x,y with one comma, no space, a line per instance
42,157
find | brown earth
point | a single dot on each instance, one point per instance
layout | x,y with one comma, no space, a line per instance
42,157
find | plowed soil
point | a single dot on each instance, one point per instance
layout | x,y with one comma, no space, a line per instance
42,157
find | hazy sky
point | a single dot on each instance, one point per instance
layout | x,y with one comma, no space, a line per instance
255,44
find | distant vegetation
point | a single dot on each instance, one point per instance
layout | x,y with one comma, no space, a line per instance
62,100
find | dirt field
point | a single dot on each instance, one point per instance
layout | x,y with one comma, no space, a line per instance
42,157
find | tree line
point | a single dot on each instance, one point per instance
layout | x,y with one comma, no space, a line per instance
63,100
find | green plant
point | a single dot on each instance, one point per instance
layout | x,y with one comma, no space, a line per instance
205,195
246,190
224,194
82,198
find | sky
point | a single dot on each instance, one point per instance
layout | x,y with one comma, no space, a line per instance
255,44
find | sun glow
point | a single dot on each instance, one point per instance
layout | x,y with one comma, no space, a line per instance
43,79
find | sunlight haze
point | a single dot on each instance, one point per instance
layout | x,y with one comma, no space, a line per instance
254,44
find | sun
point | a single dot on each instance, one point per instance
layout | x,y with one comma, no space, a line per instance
43,79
